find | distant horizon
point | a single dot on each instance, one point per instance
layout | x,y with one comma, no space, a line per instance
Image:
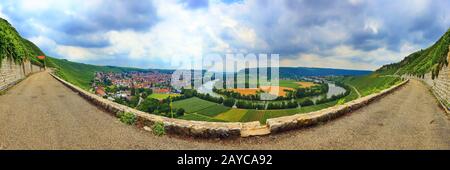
154,68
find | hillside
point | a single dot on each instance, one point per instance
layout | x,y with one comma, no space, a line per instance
418,63
16,48
81,74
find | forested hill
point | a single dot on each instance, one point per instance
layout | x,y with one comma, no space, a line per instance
14,47
418,63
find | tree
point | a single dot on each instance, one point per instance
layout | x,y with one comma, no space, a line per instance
306,102
180,112
229,102
149,105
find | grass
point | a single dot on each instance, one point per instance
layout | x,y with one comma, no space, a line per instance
252,115
295,84
289,83
214,110
199,117
232,115
370,84
127,118
160,96
200,106
158,129
193,104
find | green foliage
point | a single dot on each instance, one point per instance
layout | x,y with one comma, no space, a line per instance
421,62
369,84
193,104
127,118
158,129
229,102
214,110
288,83
14,47
340,102
232,115
199,117
180,112
307,102
312,91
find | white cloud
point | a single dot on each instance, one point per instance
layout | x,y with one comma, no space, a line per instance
352,33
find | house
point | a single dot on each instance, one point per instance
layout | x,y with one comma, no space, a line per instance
100,91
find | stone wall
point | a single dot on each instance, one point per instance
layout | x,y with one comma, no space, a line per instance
227,130
441,85
304,120
11,73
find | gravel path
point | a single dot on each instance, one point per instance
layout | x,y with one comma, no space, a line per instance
41,113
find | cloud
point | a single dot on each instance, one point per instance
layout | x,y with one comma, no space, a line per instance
195,4
346,34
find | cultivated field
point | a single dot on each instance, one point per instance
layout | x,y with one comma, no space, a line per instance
284,85
160,96
306,84
274,90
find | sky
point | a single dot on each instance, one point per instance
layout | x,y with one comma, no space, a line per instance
352,34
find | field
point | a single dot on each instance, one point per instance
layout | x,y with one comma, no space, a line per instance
296,84
284,85
198,117
370,83
198,109
252,91
305,84
232,115
160,96
199,106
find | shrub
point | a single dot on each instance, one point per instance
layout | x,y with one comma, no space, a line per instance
341,101
306,102
127,118
180,112
229,102
158,129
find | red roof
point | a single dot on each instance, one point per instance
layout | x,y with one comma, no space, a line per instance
100,91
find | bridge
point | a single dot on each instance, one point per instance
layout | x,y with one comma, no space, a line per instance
41,113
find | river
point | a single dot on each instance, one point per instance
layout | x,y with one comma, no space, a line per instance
333,89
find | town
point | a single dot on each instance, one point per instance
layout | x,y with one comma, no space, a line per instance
131,87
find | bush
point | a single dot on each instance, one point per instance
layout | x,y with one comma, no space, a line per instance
340,101
127,118
306,102
180,112
229,102
158,129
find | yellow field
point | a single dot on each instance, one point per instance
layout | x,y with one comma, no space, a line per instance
267,89
305,84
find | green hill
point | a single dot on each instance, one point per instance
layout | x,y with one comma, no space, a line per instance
81,74
16,48
418,63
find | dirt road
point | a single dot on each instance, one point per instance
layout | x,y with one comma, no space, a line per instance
41,113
